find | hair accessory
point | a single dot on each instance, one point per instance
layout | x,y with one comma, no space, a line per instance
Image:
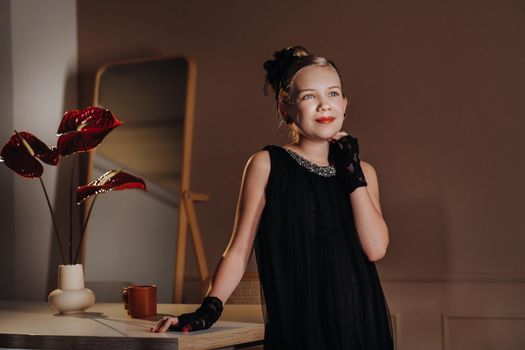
277,69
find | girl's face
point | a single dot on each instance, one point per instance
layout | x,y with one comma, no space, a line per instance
317,105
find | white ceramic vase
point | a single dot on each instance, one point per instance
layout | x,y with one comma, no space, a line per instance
71,296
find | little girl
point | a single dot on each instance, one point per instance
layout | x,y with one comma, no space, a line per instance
311,210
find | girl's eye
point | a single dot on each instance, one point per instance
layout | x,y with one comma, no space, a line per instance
333,93
307,97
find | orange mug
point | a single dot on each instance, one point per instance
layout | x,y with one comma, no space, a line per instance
140,301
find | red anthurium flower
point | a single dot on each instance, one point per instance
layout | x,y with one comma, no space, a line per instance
20,154
113,180
83,130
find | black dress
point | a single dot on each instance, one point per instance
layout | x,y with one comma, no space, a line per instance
319,289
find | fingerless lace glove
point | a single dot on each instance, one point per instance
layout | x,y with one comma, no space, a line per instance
206,315
345,155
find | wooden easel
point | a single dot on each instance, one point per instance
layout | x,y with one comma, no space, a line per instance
187,213
188,216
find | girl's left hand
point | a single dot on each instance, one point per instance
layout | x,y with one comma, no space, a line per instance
344,152
337,136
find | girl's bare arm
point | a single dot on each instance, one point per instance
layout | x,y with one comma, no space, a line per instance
235,259
251,202
369,222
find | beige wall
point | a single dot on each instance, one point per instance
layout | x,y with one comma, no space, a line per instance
436,91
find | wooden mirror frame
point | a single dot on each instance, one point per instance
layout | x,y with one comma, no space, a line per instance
187,213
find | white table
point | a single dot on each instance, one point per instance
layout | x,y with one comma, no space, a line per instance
33,325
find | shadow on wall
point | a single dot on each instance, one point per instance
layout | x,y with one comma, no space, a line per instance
61,204
423,223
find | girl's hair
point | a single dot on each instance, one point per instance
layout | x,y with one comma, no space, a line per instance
281,71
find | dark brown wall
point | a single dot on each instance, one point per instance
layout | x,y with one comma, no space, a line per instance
437,104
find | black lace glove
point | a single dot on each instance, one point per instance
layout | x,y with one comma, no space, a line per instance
206,315
345,156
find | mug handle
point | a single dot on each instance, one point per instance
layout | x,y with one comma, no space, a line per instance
125,298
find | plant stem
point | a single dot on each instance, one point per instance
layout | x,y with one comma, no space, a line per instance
84,228
71,209
54,220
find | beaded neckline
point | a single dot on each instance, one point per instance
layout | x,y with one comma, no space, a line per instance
325,171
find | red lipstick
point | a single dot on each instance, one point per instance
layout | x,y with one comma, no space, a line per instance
325,120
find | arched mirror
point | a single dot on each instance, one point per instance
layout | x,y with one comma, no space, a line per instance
140,237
